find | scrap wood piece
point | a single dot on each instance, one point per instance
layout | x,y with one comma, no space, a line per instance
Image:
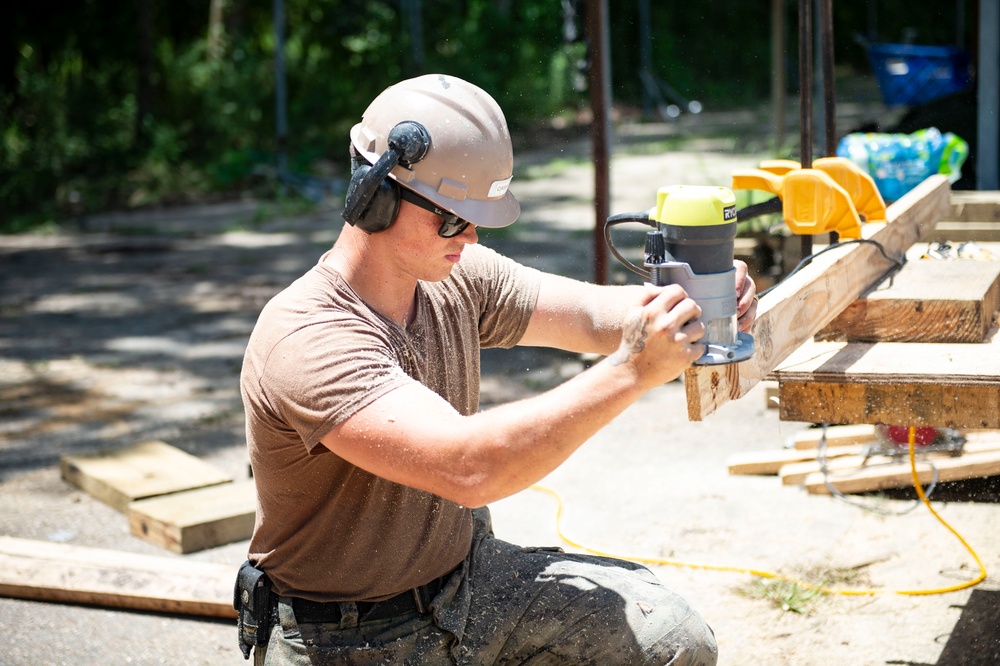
836,436
974,206
197,519
797,472
43,571
805,302
143,470
772,462
901,383
925,301
963,232
899,475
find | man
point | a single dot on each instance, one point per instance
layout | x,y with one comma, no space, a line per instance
372,462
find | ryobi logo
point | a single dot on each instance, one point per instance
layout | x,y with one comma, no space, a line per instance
729,213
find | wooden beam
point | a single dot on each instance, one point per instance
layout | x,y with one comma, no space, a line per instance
961,232
43,571
797,473
196,519
899,475
135,472
926,301
836,436
974,206
772,462
802,304
899,383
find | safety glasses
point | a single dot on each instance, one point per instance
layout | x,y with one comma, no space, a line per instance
451,225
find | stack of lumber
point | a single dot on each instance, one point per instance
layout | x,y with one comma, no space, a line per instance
170,498
850,470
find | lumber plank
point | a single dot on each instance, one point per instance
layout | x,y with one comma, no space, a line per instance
749,463
974,206
143,470
926,301
961,232
836,436
801,305
899,475
194,520
903,383
43,571
795,473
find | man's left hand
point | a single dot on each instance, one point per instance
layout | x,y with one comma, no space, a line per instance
746,297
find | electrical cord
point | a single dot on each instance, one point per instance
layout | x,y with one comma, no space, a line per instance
806,260
777,576
623,218
821,458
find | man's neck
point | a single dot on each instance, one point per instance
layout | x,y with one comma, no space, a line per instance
384,289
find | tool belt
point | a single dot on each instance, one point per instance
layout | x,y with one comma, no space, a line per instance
416,600
256,606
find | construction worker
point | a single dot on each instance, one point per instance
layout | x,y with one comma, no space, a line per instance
373,465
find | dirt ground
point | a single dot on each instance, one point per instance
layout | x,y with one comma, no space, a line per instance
133,328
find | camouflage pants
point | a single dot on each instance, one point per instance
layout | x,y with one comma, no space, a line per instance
513,605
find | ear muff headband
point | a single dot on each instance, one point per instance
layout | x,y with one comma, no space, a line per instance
373,199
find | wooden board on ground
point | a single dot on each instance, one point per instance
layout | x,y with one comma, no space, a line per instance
836,436
144,470
196,519
772,462
926,301
899,474
903,383
797,473
801,305
43,571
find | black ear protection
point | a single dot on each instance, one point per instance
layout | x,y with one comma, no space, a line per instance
372,200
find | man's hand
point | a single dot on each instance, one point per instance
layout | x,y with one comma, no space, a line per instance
746,297
660,335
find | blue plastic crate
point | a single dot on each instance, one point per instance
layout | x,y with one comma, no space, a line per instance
908,74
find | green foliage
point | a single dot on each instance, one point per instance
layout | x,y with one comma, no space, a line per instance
87,124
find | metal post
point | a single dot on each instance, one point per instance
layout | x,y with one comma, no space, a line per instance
988,113
805,97
645,58
829,82
600,126
279,87
778,71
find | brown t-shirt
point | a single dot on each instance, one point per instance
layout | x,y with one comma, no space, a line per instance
327,530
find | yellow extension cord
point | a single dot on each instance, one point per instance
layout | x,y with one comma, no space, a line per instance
769,574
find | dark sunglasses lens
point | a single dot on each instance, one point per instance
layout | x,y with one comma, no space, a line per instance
452,226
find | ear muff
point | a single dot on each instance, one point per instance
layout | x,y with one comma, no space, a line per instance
372,198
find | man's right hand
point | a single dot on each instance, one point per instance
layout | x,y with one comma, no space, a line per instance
661,336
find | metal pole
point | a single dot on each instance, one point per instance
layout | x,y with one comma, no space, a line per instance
778,71
988,113
645,58
805,97
279,86
600,126
829,83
